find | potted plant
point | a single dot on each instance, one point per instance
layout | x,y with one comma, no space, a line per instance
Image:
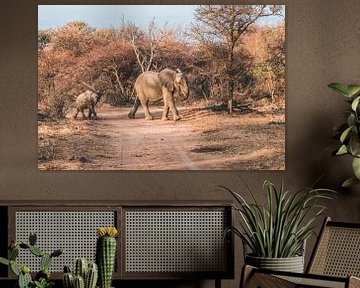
276,233
348,132
106,254
42,278
84,274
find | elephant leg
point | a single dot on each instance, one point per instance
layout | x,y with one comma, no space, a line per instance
92,112
174,111
83,114
133,110
145,105
165,111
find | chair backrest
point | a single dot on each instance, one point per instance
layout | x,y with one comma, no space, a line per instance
337,251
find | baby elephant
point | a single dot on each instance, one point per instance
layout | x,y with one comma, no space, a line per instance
87,100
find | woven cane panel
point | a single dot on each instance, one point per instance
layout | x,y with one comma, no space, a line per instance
338,253
175,241
308,282
74,231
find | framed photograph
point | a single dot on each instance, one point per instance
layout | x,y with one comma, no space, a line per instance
161,87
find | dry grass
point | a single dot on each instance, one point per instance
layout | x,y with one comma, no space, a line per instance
202,139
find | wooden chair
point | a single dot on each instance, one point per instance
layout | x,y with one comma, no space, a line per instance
335,262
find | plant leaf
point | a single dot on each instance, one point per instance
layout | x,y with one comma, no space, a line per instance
351,120
356,167
355,103
349,182
342,150
345,134
340,88
353,89
354,145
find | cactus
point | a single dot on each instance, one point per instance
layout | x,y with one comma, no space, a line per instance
87,272
24,278
24,245
68,280
13,253
80,267
36,251
57,252
45,261
14,268
91,276
105,254
32,238
79,282
67,269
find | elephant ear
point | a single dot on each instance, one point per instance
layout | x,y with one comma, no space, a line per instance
167,79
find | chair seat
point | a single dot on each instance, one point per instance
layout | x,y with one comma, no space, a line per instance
268,279
315,282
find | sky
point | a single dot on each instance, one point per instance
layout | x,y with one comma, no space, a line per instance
109,16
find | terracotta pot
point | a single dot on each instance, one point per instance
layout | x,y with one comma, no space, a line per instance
291,264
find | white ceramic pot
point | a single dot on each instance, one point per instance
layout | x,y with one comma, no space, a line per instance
291,264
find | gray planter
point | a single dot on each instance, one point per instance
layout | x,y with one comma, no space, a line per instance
291,264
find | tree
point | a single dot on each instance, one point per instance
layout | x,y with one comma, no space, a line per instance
75,37
143,43
221,27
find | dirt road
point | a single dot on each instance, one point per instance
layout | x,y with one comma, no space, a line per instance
201,140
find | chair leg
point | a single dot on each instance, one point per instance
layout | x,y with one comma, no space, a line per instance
246,273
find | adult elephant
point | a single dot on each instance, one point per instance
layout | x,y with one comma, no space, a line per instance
152,86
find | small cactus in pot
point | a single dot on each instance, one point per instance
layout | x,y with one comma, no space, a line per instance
106,254
85,275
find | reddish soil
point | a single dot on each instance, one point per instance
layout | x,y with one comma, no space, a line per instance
202,139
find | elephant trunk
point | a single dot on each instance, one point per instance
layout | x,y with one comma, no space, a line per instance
184,94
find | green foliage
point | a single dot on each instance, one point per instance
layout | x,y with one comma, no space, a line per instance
349,131
279,229
42,278
43,283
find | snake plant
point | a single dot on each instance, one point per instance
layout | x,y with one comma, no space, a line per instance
279,228
348,132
